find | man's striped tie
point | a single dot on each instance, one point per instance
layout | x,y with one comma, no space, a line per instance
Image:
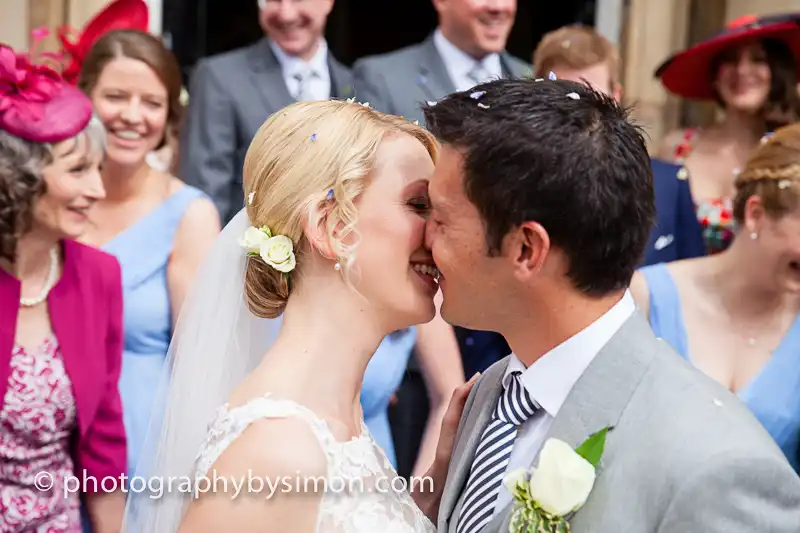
514,407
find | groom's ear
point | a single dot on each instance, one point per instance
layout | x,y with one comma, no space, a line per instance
528,245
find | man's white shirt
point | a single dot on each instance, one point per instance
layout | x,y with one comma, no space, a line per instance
458,63
316,87
550,379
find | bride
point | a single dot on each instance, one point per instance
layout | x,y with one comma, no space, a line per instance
326,259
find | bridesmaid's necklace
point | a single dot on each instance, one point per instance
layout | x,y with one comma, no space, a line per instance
48,284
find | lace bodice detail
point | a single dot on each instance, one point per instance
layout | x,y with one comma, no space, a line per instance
364,493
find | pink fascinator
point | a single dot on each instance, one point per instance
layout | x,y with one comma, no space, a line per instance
36,104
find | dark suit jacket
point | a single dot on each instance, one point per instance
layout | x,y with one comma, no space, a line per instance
401,81
86,313
677,233
231,96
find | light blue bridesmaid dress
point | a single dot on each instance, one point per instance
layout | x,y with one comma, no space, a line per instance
382,377
143,250
773,395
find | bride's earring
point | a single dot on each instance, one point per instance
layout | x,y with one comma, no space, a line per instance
754,235
337,266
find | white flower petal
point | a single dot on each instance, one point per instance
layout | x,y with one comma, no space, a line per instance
512,478
278,252
563,480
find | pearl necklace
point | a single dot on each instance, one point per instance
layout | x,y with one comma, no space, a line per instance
48,284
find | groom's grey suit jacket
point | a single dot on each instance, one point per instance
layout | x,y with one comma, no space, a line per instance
685,455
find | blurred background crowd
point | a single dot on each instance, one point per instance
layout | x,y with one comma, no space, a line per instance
180,87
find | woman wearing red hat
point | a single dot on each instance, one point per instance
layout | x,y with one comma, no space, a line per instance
60,312
751,70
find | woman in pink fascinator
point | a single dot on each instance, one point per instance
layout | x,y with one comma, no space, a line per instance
62,438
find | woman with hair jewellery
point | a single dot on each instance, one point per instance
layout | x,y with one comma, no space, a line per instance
60,312
324,261
736,315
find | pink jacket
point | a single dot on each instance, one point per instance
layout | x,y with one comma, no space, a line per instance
86,313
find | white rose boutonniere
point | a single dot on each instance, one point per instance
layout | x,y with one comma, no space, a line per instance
275,250
558,486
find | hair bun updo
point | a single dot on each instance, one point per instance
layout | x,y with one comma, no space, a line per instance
266,289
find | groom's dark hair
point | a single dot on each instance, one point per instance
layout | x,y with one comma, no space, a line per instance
563,155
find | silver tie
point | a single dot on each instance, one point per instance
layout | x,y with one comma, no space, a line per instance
478,74
303,93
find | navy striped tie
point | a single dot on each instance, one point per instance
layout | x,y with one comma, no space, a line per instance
514,407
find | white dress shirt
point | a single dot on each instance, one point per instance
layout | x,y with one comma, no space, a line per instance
550,379
318,78
458,63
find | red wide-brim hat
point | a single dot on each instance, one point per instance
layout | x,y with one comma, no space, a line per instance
688,73
118,15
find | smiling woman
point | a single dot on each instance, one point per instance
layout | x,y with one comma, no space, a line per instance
736,315
60,308
750,70
158,227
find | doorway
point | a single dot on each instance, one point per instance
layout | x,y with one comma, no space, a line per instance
356,28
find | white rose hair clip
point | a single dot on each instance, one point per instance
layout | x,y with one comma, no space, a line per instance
275,250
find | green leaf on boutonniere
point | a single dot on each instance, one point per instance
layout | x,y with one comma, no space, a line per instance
592,448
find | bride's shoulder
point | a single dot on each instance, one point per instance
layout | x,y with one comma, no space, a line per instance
265,427
274,446
259,459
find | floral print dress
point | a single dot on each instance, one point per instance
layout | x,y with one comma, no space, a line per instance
715,215
37,419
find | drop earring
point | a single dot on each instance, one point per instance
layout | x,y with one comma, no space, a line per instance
754,235
337,266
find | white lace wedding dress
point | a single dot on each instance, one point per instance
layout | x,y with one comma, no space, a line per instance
374,507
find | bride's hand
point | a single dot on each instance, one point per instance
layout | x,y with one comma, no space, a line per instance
450,421
428,502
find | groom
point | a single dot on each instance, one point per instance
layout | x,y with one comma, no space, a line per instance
542,205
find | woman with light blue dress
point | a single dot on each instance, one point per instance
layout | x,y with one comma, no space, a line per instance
437,352
736,315
158,228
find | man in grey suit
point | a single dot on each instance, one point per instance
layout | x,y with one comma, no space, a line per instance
232,94
467,47
542,202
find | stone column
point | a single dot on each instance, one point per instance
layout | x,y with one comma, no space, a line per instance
653,29
50,14
14,24
737,8
81,11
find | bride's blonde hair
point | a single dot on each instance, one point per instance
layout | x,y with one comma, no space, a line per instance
311,158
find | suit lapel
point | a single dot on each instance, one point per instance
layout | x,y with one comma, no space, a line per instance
433,78
513,69
341,79
68,295
479,417
601,394
268,77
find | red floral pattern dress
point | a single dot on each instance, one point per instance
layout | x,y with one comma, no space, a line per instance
36,421
715,215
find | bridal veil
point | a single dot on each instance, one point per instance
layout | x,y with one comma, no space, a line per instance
216,343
